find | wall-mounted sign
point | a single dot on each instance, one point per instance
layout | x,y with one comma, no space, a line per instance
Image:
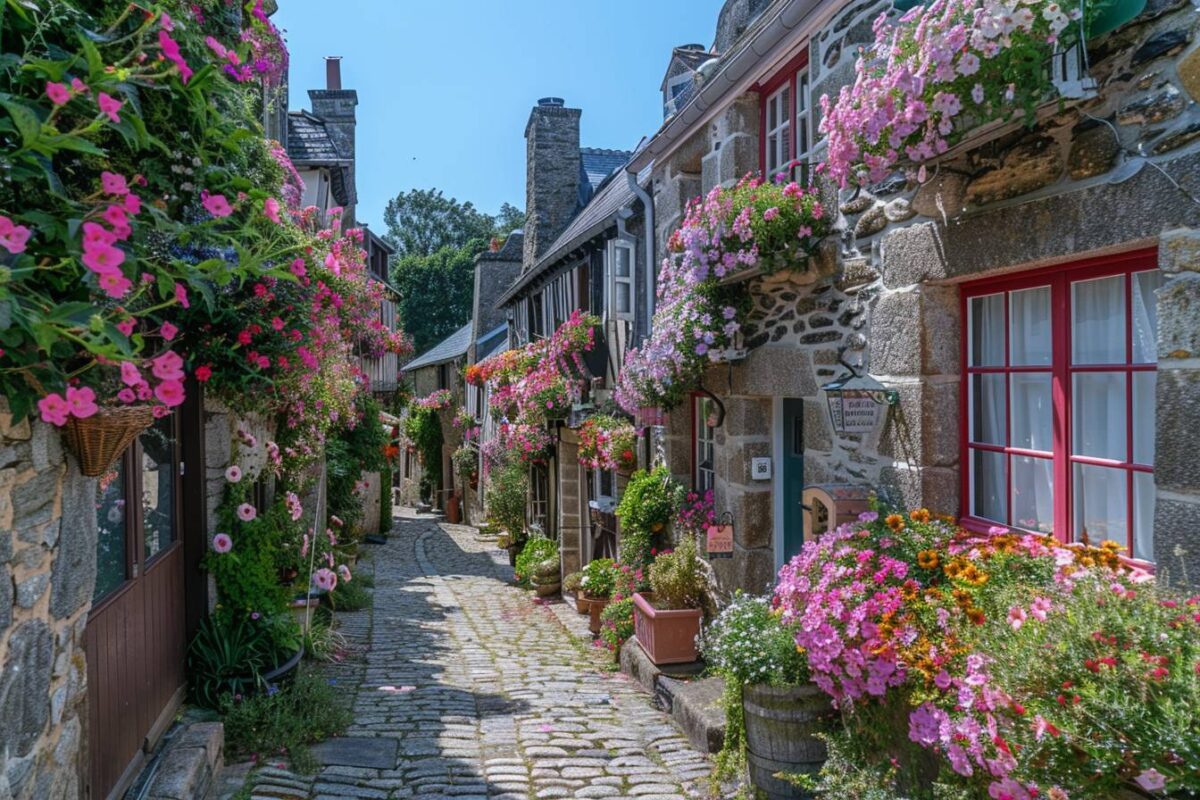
855,402
760,468
720,538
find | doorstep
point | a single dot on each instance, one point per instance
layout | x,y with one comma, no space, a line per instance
188,764
692,701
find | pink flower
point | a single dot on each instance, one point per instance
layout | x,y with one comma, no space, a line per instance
55,410
103,258
1016,617
325,579
1151,780
126,326
271,210
217,205
114,284
181,295
771,213
295,510
94,234
246,512
79,86
113,183
168,331
233,474
58,93
170,393
1040,607
344,573
222,543
110,105
13,237
132,204
126,395
168,367
116,217
82,402
203,373
130,375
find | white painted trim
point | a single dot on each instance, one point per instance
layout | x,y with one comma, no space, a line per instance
777,479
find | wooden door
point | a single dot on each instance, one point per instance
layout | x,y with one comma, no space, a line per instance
136,636
792,483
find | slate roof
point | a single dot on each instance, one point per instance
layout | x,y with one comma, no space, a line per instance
690,57
596,165
491,342
448,349
596,217
309,142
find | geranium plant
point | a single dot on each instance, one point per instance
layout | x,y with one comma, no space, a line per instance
766,226
608,443
938,71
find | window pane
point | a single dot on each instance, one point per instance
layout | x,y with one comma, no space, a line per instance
110,522
1098,415
1145,316
988,495
988,409
1101,504
622,262
158,486
987,331
1143,417
623,303
801,92
1143,515
1032,411
1033,493
1098,321
1030,326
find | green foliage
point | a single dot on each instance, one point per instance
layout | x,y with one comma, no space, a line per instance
247,577
648,504
230,653
616,623
421,222
508,484
305,711
677,577
573,582
350,453
423,428
350,595
385,500
466,461
535,551
599,577
443,280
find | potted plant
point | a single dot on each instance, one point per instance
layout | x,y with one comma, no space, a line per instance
598,581
667,621
647,506
573,583
466,464
537,551
608,443
772,709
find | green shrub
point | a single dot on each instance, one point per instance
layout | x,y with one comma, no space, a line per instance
350,595
507,486
423,428
599,578
616,623
286,720
647,505
229,654
535,551
677,577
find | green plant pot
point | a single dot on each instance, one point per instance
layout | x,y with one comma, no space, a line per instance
1115,15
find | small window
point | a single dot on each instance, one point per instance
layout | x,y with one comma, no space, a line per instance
443,372
803,127
779,129
704,477
537,321
621,283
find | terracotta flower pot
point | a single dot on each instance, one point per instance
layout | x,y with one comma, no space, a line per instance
595,606
667,636
581,603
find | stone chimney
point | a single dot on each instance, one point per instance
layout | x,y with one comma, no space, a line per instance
335,106
552,169
495,271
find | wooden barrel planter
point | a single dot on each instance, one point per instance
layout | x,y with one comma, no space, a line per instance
780,723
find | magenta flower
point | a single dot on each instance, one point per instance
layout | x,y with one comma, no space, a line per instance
113,183
344,573
58,93
170,393
130,375
12,236
114,284
216,204
222,543
82,402
233,474
168,331
167,367
110,106
271,210
325,579
103,258
181,295
246,512
55,409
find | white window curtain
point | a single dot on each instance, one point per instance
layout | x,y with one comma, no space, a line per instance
1145,316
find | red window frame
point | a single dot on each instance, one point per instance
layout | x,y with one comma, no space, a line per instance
768,87
1059,279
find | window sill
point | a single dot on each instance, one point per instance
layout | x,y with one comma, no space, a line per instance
983,526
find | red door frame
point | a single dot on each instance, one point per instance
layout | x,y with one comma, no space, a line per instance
1059,278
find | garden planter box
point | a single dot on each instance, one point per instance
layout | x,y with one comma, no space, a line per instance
667,636
780,723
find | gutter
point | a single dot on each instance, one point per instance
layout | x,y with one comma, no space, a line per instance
737,74
648,205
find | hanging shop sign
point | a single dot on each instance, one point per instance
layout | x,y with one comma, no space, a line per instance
855,402
719,543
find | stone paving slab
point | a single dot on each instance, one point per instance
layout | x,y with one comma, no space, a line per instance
488,694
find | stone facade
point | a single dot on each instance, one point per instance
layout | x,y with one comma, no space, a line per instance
552,174
882,294
47,573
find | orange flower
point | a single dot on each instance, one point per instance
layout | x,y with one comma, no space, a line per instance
919,515
928,559
895,522
976,616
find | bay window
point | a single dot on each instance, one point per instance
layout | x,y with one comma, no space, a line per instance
1059,395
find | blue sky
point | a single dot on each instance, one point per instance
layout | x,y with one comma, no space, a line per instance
445,87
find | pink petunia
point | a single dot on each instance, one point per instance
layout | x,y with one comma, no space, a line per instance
94,234
126,395
114,284
217,205
168,331
222,543
79,86
82,402
114,183
1016,617
132,204
58,93
13,237
246,512
344,573
116,217
325,579
170,393
55,409
181,295
130,375
233,474
168,367
110,106
271,210
126,326
103,258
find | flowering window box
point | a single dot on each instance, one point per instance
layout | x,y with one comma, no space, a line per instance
668,636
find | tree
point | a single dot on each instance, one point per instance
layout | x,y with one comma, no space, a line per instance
423,221
436,292
508,220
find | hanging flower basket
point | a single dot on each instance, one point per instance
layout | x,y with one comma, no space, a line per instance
98,441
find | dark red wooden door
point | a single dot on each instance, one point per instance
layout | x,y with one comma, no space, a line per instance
136,636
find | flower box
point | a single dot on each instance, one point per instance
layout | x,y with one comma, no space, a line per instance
668,636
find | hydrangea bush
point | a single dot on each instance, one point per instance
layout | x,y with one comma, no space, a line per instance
753,225
935,73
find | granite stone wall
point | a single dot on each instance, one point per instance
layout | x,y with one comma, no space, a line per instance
47,574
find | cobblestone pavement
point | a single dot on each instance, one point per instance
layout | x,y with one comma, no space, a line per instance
488,693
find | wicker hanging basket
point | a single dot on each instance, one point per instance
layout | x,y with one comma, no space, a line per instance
99,440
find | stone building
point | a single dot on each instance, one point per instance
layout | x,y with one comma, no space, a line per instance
1039,276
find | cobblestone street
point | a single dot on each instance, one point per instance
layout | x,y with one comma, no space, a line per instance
488,693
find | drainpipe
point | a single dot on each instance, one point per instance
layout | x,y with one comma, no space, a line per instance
647,204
